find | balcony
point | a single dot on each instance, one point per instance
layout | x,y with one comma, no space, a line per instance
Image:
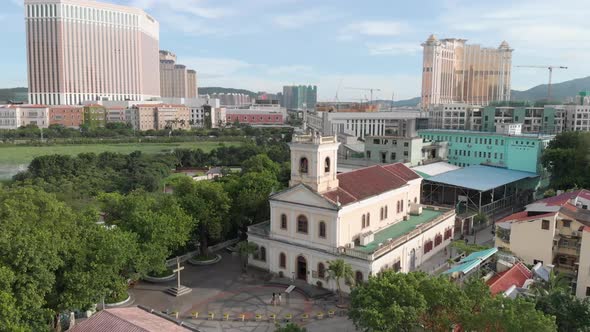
313,139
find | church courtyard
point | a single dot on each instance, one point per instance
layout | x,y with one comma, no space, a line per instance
222,289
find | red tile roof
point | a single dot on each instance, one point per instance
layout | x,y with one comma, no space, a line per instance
560,200
402,171
524,216
516,275
131,319
370,181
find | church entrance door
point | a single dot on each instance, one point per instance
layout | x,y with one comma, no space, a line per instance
301,268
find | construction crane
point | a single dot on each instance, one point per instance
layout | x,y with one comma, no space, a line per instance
550,75
365,89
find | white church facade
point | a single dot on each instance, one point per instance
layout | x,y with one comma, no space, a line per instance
371,218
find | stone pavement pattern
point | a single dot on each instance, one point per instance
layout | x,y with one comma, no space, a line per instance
221,289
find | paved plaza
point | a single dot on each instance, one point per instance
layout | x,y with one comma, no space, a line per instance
223,289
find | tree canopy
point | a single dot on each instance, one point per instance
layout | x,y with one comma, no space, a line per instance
394,301
567,158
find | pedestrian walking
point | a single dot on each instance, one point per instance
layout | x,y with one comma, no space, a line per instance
280,298
273,299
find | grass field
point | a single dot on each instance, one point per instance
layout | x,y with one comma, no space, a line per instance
12,157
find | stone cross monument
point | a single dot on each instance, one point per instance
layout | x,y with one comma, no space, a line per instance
179,290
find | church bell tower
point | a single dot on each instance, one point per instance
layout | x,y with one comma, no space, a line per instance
314,161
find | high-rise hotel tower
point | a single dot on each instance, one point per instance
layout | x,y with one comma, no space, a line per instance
80,50
455,72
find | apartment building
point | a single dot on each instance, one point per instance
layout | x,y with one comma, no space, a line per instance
158,116
80,50
14,116
456,72
409,150
555,231
67,116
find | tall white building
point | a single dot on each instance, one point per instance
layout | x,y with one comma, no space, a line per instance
455,72
79,50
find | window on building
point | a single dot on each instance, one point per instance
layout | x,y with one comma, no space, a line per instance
262,253
364,219
545,224
385,211
397,266
283,221
393,156
427,246
405,153
401,206
303,165
381,213
566,223
448,233
282,260
302,224
358,277
587,291
368,219
322,230
321,271
438,240
327,165
406,144
376,141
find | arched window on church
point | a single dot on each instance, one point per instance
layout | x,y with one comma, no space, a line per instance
303,165
327,165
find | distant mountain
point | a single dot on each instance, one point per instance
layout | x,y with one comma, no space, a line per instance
13,94
559,91
404,102
212,90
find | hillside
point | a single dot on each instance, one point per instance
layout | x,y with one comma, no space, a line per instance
211,90
13,94
559,91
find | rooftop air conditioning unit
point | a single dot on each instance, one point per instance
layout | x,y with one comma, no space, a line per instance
367,238
415,209
406,217
350,245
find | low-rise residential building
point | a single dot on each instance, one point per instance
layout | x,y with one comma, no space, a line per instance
95,116
555,231
67,116
255,116
116,114
158,117
413,150
370,217
455,116
9,117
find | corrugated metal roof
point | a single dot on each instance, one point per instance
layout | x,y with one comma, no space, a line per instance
131,319
435,168
480,177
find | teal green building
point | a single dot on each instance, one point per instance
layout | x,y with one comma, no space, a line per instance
515,152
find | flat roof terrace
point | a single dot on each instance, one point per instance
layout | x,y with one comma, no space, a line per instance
401,228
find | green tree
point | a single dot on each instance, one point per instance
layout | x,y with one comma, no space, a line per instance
571,313
208,205
10,316
339,270
245,249
260,163
158,220
567,158
557,282
388,302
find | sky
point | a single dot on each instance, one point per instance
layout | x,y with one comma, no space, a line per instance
262,45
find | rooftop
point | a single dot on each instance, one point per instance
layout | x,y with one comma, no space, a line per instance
399,229
481,177
486,133
472,261
515,276
370,181
434,169
131,319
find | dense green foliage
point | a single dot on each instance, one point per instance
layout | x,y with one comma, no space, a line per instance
394,301
290,327
567,158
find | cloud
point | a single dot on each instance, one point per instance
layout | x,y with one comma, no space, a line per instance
373,28
301,19
394,48
301,70
215,67
197,8
19,3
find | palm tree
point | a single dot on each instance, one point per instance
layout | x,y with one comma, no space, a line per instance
338,269
557,282
245,249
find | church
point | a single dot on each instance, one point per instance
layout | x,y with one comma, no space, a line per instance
370,217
